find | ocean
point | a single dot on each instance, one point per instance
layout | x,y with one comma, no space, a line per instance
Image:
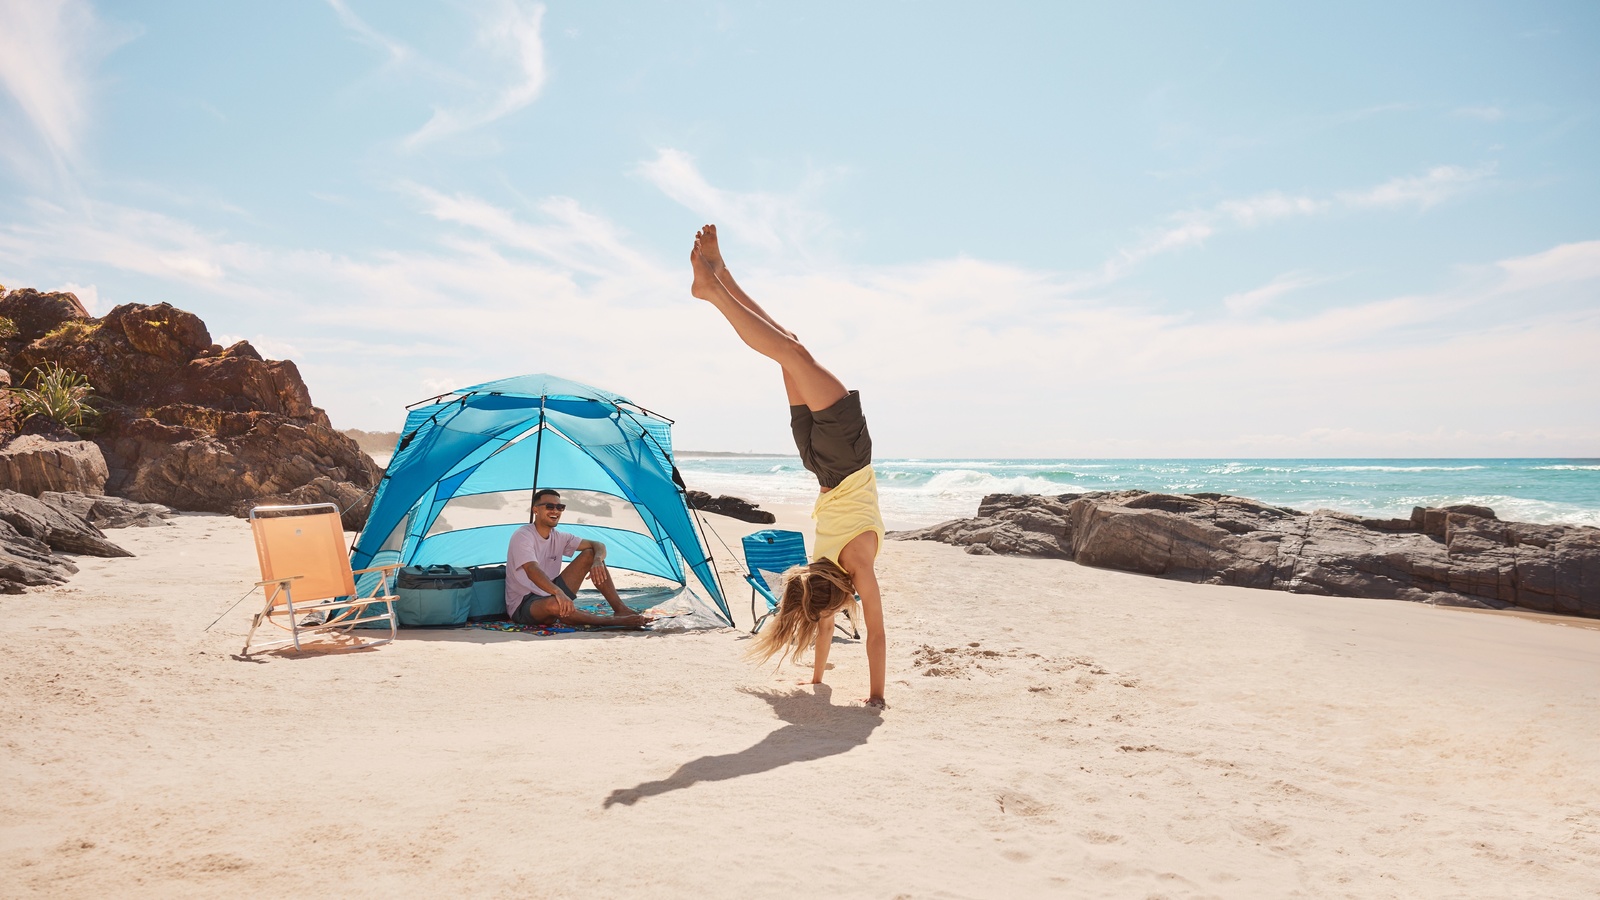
919,492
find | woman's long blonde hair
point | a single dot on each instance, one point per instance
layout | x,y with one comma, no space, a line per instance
809,594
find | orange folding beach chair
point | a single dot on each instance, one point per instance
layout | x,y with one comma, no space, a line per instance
306,576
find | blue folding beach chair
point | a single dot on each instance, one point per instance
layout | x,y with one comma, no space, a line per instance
767,555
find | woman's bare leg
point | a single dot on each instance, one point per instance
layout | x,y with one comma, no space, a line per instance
706,240
804,378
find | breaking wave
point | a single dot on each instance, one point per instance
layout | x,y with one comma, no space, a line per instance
917,492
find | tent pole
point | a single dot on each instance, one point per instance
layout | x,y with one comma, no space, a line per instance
538,447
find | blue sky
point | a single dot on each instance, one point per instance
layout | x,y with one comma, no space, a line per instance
1050,229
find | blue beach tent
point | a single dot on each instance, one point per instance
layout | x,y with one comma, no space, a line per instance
467,463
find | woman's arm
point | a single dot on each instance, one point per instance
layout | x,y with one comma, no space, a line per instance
819,664
857,558
877,643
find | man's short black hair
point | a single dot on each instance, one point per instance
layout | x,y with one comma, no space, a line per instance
544,492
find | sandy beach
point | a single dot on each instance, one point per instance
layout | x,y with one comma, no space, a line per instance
1055,730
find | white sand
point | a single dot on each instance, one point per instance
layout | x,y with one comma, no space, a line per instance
1091,734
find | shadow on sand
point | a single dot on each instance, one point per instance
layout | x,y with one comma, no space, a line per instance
816,729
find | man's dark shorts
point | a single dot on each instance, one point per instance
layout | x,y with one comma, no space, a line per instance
521,616
833,442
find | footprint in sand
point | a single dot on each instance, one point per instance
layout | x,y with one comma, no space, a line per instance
973,658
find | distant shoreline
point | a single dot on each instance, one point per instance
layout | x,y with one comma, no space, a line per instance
726,453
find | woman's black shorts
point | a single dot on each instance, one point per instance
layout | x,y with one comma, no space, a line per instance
833,442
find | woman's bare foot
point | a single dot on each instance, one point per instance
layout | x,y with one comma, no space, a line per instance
876,703
705,285
709,248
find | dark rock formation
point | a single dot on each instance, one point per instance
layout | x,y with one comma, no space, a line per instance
109,512
35,531
185,422
1457,555
32,464
36,313
29,562
732,507
57,528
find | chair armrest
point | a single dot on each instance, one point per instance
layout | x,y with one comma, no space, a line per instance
759,584
377,568
278,580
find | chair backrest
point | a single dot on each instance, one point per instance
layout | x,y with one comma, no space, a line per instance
307,541
774,552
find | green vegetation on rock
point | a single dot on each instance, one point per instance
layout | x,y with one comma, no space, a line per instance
58,394
71,330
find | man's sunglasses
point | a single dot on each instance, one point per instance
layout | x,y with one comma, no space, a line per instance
558,507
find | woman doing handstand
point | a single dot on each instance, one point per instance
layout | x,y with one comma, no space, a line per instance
834,445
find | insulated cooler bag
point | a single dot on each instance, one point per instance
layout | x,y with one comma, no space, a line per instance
433,595
488,593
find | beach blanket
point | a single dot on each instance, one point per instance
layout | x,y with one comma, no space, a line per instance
547,630
543,630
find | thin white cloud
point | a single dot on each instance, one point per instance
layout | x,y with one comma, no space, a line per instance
770,221
1483,113
48,53
1257,298
126,239
397,51
574,238
1563,264
512,36
503,291
1430,189
1268,207
1193,227
1191,233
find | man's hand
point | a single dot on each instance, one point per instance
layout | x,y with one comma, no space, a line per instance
599,574
564,605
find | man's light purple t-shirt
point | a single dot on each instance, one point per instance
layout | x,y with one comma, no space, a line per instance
545,553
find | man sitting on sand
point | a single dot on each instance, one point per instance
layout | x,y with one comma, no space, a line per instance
538,590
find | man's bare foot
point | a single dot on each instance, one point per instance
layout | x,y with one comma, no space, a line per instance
633,621
876,703
710,249
705,278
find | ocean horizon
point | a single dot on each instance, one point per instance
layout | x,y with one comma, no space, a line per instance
916,492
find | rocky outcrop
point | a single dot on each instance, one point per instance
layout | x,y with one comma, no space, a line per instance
109,512
37,313
32,464
29,562
35,532
1457,555
58,528
185,422
732,507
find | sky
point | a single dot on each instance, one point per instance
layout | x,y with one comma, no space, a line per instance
1036,230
